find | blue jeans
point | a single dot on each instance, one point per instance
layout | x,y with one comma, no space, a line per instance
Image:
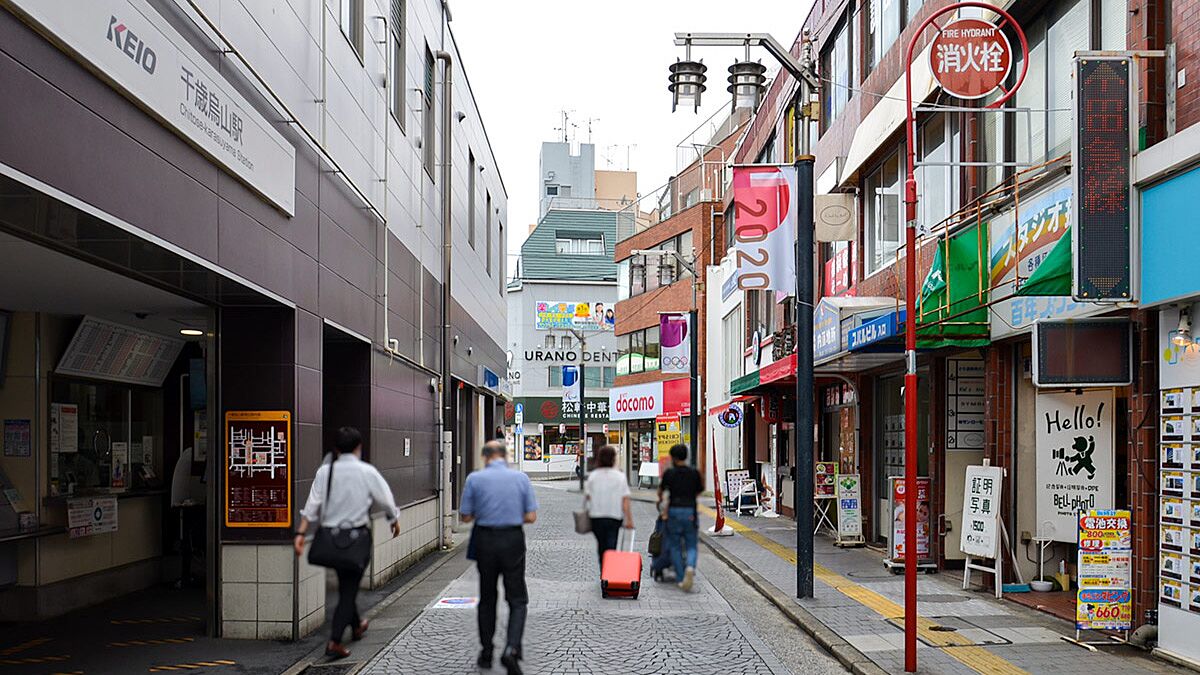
683,531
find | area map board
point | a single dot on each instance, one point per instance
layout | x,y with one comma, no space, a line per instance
258,462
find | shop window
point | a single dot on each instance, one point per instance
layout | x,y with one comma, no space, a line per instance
638,351
837,73
883,196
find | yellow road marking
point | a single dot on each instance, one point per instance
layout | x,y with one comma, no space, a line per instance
963,650
193,666
24,646
32,659
145,643
167,619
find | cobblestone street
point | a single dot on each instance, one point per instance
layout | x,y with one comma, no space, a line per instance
572,630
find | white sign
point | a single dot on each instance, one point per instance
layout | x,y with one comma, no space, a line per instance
64,427
131,45
981,511
89,516
675,340
765,199
849,500
1074,458
635,402
964,404
120,464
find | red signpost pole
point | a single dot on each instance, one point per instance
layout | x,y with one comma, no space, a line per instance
910,315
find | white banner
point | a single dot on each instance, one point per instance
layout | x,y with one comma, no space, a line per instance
675,340
132,46
1074,459
764,248
849,499
981,511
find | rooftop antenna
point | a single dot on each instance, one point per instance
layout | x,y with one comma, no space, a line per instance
590,120
566,124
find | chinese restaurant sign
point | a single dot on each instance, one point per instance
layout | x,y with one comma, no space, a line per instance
1103,601
130,45
765,227
970,58
258,463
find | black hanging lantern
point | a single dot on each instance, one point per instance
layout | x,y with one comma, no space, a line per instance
747,81
687,83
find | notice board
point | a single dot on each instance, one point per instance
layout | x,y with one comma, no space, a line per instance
258,468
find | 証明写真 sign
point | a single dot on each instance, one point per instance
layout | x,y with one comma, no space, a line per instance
981,511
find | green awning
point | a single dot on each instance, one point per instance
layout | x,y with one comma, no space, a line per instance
744,383
951,306
1053,276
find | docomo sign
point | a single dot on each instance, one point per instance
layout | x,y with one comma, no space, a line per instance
970,58
639,401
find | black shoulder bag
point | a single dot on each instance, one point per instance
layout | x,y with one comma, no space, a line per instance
340,548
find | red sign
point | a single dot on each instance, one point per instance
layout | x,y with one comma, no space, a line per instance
837,271
677,396
900,502
970,58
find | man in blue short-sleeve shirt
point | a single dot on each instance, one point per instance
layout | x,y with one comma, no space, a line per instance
499,500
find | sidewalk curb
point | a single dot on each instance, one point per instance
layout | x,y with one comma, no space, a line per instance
846,654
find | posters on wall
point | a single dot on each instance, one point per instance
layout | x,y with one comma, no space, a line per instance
825,480
583,315
1104,600
120,465
64,427
1074,466
849,499
17,438
667,433
258,463
676,343
964,404
91,515
981,512
533,448
900,501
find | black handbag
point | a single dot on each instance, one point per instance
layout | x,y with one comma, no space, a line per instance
339,548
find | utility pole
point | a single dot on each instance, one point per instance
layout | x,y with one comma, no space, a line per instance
582,429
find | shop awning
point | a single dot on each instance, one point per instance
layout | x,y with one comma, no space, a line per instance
1053,276
952,309
744,383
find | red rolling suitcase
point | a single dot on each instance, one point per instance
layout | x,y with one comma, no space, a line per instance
621,571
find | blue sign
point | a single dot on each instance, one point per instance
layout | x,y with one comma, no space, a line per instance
875,330
519,408
490,379
826,330
728,286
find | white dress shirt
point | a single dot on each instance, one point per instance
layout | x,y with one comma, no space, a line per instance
357,486
606,488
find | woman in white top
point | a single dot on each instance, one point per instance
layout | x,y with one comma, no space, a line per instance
607,500
344,500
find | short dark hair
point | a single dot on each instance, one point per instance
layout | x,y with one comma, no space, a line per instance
348,439
492,449
679,452
607,457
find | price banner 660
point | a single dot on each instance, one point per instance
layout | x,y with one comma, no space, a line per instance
765,227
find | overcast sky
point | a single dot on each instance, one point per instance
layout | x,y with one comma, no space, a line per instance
528,60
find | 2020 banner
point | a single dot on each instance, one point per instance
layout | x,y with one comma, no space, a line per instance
765,227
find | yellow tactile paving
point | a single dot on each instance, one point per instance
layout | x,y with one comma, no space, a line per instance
978,658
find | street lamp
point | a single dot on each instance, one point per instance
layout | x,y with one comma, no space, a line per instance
687,83
747,80
693,359
803,73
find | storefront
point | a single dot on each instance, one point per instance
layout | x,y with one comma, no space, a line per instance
547,436
652,417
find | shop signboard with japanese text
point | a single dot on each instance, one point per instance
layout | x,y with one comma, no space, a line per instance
1074,465
577,315
258,463
764,238
849,499
901,501
1103,600
136,49
824,480
667,433
827,326
91,515
981,512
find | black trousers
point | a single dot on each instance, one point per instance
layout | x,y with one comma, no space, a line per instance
607,530
346,614
500,552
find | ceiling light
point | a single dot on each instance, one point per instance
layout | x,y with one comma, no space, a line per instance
191,332
1183,334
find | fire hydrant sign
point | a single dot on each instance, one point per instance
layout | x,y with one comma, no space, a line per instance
1104,600
970,58
1074,458
981,511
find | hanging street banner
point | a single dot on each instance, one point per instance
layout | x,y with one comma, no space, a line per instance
1074,464
676,343
970,58
570,383
1104,600
765,227
981,512
849,499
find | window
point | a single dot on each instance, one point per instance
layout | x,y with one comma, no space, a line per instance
428,123
882,22
471,173
552,190
883,196
638,351
487,222
350,20
501,258
397,83
592,377
937,186
837,74
565,342
549,340
554,376
731,331
647,272
585,245
761,314
610,374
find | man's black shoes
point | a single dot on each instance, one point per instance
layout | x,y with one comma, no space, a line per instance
485,659
511,661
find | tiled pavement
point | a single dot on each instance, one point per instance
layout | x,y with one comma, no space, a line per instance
861,601
570,629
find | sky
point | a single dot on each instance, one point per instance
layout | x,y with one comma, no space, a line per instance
607,62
